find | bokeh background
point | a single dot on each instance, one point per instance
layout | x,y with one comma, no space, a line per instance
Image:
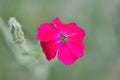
99,18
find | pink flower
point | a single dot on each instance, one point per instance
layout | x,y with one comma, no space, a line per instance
63,40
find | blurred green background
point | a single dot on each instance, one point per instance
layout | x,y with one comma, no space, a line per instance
99,18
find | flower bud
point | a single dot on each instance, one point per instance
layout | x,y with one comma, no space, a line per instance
16,31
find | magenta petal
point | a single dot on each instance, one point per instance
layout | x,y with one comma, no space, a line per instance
65,55
75,31
49,48
70,53
77,49
58,24
46,32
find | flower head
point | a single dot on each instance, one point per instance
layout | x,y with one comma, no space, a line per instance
16,31
66,40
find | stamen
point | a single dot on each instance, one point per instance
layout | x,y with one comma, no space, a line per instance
64,37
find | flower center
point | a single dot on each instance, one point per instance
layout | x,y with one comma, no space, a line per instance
64,37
